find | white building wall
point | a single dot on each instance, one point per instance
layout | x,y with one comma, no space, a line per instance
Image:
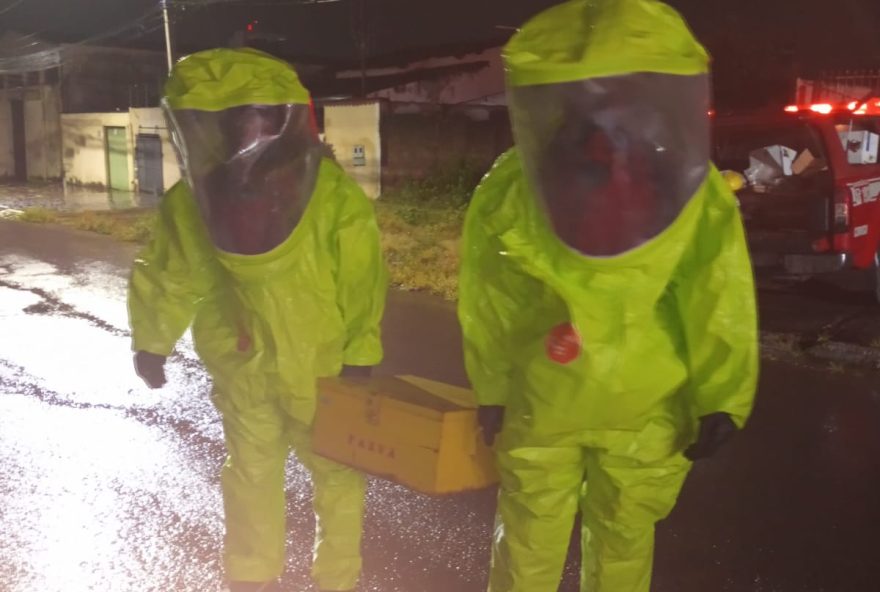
42,128
42,125
84,147
352,130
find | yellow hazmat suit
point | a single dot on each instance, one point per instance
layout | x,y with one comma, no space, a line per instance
607,299
296,292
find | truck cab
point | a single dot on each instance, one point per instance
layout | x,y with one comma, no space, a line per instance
812,200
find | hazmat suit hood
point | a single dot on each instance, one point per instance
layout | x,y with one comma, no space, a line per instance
243,127
610,117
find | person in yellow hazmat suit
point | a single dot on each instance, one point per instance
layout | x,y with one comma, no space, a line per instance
606,298
271,254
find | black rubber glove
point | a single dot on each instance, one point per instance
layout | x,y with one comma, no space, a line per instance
715,430
491,419
356,371
151,368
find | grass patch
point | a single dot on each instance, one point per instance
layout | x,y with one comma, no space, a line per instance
421,246
38,216
134,226
421,223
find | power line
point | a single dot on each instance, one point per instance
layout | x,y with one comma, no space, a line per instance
23,46
147,23
141,21
11,6
52,57
204,3
118,30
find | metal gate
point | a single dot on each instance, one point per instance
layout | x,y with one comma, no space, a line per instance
148,155
117,158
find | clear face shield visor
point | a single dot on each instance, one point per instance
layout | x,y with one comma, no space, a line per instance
252,170
613,160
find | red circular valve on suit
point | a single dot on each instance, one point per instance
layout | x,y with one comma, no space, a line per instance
564,344
244,340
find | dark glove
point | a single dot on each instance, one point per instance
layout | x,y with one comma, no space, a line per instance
715,430
356,371
151,368
491,419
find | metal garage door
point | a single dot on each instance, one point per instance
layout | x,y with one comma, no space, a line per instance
148,152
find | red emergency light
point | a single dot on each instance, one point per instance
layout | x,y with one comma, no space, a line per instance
821,108
854,107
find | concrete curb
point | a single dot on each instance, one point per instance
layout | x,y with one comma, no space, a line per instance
789,347
849,354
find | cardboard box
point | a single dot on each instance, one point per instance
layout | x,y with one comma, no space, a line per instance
806,164
416,432
861,146
769,164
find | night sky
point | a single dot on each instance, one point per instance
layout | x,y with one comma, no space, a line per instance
758,45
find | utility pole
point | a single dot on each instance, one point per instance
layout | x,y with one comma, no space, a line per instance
359,35
363,48
167,35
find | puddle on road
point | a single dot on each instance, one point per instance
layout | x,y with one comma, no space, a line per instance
94,290
105,484
98,502
13,302
86,364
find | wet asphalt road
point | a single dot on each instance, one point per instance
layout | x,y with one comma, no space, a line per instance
54,196
105,485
